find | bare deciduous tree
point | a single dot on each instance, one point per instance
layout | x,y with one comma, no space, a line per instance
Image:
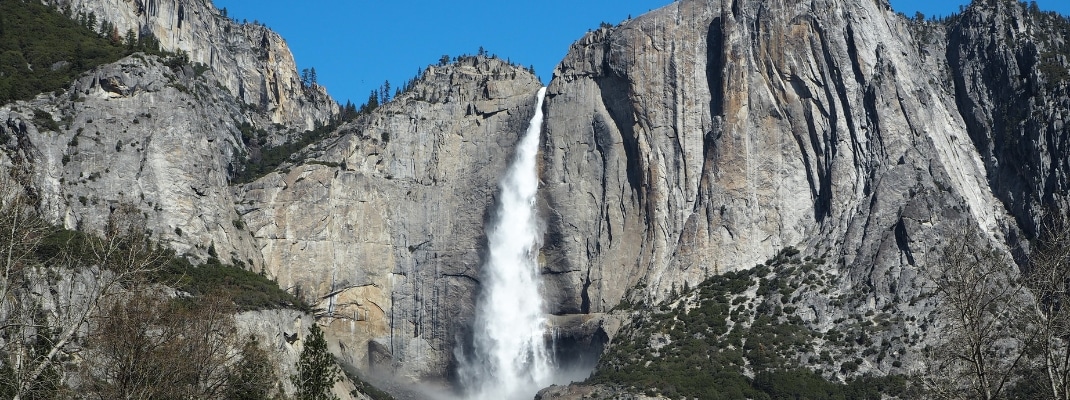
20,233
24,337
72,296
150,346
1049,280
122,257
93,268
985,346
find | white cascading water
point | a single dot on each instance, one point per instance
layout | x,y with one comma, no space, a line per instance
511,359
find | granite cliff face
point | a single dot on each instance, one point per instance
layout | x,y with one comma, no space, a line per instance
162,135
705,136
383,225
141,133
251,61
1012,92
380,223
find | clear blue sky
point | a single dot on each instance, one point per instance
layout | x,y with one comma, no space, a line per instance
355,45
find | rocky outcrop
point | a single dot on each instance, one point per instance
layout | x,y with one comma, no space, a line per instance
574,392
138,132
383,224
164,134
704,136
251,61
1009,64
282,333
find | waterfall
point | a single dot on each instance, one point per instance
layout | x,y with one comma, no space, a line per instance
511,359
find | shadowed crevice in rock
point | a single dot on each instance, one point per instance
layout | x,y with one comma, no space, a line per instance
715,67
903,242
616,97
833,92
585,297
558,273
579,350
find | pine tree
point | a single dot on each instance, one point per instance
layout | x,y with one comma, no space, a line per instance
351,110
253,376
308,77
130,40
348,111
114,37
316,370
105,28
384,93
373,103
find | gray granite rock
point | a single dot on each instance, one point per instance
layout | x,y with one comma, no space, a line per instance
705,136
250,60
382,226
140,133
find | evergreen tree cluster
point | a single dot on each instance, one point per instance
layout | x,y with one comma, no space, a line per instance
723,344
267,159
481,54
383,94
308,77
348,111
43,50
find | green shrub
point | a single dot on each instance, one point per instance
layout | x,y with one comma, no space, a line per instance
272,157
250,291
706,353
43,120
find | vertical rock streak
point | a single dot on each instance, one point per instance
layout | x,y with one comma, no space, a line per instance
511,357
